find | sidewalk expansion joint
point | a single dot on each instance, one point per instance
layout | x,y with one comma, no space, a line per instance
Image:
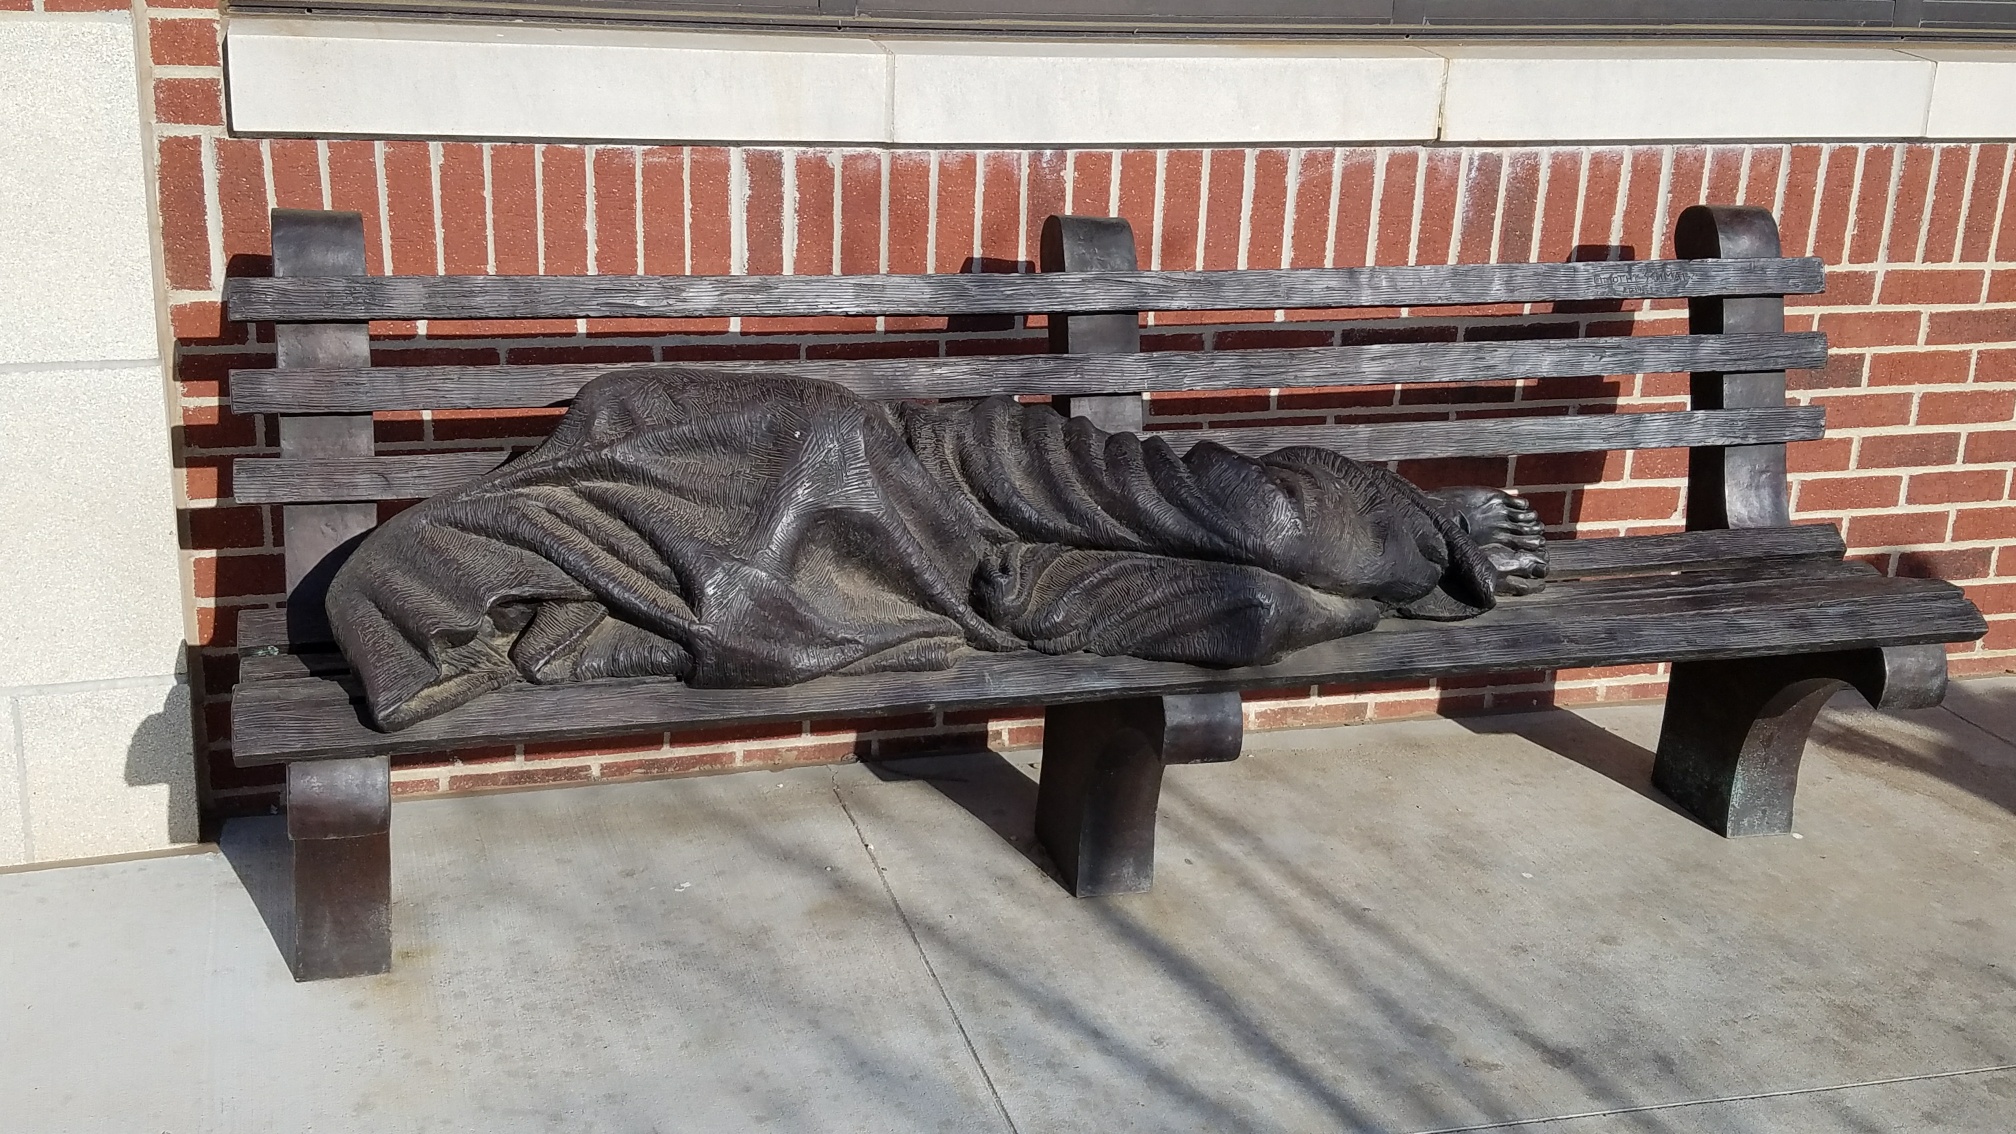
1513,1124
909,927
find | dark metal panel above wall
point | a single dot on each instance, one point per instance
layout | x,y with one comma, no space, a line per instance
1645,13
1968,13
1239,17
1142,11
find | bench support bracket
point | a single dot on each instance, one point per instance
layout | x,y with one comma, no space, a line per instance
1095,244
1734,486
339,819
1102,779
1734,730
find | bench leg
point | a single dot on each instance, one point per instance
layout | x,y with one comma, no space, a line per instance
1102,778
1734,730
339,819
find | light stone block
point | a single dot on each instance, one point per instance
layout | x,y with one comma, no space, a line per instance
13,824
89,558
76,266
291,76
1060,94
107,770
1973,93
390,80
1635,92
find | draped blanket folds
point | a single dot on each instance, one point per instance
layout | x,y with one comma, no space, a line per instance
737,530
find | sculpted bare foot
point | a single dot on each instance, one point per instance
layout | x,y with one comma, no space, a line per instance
1507,529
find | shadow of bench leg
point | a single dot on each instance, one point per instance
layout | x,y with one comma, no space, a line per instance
339,818
1734,731
1102,778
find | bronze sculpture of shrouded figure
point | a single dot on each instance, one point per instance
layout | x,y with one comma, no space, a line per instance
741,530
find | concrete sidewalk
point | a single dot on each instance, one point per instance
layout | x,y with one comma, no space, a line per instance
1437,925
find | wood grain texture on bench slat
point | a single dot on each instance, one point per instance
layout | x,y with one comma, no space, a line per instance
1680,587
283,666
284,720
1504,436
514,387
1684,551
265,480
334,299
266,630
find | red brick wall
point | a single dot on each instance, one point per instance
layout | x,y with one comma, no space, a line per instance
1921,391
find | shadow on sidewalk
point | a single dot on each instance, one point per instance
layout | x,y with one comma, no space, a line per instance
1584,741
1968,742
986,785
259,853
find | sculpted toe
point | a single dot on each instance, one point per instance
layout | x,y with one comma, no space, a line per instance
1520,572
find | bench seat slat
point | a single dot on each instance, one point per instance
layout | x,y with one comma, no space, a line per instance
336,299
515,387
285,720
1692,551
265,630
267,480
325,662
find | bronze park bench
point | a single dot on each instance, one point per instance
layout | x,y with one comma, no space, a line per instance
1763,619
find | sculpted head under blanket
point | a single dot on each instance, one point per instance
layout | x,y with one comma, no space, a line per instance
731,530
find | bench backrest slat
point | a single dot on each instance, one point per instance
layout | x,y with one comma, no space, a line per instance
517,387
405,476
1511,436
327,299
412,476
